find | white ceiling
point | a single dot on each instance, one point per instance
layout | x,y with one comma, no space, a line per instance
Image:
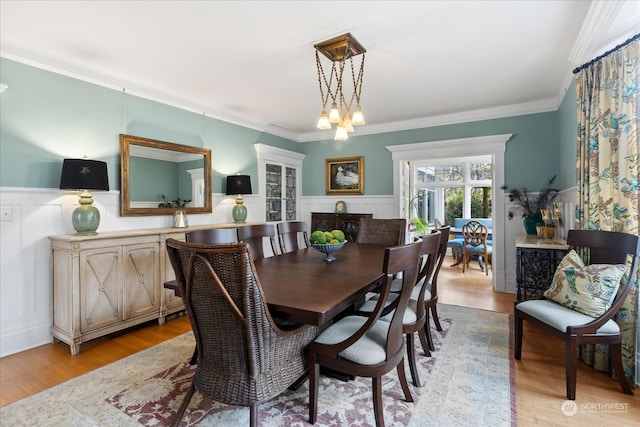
253,62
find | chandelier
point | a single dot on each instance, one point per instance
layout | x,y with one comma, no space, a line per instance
339,50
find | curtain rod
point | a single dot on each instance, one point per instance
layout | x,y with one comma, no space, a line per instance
607,53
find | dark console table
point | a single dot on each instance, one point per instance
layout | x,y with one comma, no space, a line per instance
536,262
347,222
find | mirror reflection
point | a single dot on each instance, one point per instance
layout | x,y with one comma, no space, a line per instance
161,177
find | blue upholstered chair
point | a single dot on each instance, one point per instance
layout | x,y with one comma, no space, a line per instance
475,243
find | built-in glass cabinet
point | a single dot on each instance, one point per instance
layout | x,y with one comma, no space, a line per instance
280,182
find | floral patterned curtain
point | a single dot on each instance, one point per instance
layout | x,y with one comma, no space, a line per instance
608,165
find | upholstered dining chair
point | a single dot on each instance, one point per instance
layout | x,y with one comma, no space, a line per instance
431,293
580,305
475,243
368,346
244,358
253,236
379,231
289,233
415,315
212,236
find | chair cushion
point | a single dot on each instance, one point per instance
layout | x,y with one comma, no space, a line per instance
368,350
478,249
560,317
458,242
588,289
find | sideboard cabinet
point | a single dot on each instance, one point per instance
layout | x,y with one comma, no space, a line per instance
111,281
536,262
347,222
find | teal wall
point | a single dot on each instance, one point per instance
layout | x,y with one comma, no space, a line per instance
46,117
531,157
568,138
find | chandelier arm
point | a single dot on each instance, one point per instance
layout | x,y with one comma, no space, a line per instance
323,99
358,91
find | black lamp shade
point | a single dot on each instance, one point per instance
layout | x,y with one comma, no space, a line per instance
84,174
238,184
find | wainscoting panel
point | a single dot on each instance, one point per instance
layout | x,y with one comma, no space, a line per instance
33,214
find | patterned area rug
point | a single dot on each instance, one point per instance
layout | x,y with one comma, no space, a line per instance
467,382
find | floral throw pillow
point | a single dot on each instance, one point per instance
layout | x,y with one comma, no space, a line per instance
588,289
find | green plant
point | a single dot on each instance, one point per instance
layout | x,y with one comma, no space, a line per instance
177,203
528,204
420,226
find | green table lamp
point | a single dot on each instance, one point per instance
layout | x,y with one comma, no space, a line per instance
239,184
84,175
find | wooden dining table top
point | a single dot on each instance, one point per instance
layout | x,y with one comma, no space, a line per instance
301,287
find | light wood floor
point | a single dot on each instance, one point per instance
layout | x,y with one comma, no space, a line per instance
540,381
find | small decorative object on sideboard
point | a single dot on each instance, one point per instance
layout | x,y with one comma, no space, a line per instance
531,206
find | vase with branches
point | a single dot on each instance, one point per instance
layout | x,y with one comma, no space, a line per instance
530,205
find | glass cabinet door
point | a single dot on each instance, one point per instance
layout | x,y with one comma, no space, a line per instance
290,195
274,192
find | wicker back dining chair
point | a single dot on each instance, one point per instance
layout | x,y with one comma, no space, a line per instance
475,236
378,231
254,235
244,358
567,320
367,346
289,233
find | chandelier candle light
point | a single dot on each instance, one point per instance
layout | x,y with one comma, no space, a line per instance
339,50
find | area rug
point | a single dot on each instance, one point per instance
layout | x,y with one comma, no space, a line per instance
468,381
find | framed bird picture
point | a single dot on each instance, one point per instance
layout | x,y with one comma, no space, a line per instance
345,175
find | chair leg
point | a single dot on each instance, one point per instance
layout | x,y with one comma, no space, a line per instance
426,345
402,377
618,369
411,354
194,358
517,335
184,405
571,367
314,374
253,415
436,320
376,385
427,332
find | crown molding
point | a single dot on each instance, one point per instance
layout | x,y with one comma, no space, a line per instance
600,16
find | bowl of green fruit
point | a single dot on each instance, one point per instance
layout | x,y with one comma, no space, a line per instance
327,242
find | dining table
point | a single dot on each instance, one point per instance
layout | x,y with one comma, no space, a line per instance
300,287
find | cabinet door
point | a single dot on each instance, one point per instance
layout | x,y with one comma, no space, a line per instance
100,288
280,182
273,179
141,293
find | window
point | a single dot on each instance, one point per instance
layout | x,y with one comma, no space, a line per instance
452,188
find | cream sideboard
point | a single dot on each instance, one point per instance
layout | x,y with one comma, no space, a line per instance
111,281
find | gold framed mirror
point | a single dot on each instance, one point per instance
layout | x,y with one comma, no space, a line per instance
159,178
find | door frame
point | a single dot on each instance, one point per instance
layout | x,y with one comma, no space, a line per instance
494,145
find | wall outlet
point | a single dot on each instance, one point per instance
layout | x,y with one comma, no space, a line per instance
6,213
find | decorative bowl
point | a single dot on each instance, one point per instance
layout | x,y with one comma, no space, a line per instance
328,249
